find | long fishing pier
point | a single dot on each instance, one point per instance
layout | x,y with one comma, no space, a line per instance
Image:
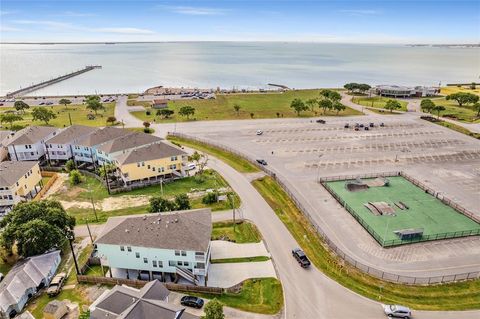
43,84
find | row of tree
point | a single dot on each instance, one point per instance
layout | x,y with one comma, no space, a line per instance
429,106
186,111
357,87
463,98
328,100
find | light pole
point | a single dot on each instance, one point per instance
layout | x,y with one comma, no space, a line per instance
318,167
70,240
88,228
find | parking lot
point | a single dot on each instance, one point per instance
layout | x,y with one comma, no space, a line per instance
300,151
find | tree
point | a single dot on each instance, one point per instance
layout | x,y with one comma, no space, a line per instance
350,87
252,115
392,105
75,177
311,103
43,114
165,113
325,104
103,170
237,108
69,165
298,106
331,95
10,118
21,106
65,102
476,107
186,111
159,204
35,227
210,198
214,310
196,157
463,98
182,202
111,120
427,105
363,87
438,109
94,104
337,106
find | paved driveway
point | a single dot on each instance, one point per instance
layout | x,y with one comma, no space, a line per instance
224,249
230,274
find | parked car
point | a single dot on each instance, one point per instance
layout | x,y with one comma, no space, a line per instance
372,125
346,125
397,311
190,166
56,284
192,301
361,125
259,132
301,257
1,104
41,103
366,128
382,125
1,277
321,121
262,161
49,103
357,128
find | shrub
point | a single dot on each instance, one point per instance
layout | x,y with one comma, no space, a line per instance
75,177
69,165
148,112
210,198
159,204
182,202
199,179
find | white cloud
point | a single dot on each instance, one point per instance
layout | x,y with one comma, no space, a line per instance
124,30
5,12
197,11
361,12
76,14
46,23
4,28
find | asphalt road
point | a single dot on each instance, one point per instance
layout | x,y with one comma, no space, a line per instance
308,293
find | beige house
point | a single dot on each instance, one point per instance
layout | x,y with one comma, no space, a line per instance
19,181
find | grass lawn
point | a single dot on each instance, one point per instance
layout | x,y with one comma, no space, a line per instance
237,162
45,179
458,128
145,104
262,105
245,232
240,260
454,296
464,114
78,114
75,295
264,295
82,214
96,270
377,102
455,89
381,111
425,211
141,130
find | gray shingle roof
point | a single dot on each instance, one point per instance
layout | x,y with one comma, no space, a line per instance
12,171
128,303
182,230
103,135
71,134
148,153
25,274
31,135
3,137
128,141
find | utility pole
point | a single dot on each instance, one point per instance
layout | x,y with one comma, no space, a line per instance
106,177
70,118
70,240
94,210
88,228
233,210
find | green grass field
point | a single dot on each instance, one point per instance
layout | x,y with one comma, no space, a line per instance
377,102
78,114
262,105
244,232
465,113
425,211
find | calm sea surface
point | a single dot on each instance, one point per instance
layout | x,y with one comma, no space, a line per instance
136,67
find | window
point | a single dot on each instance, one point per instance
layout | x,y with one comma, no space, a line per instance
177,252
154,263
185,263
184,253
143,163
160,264
199,254
137,255
171,263
122,248
173,158
138,164
200,266
145,260
153,169
129,248
179,263
148,166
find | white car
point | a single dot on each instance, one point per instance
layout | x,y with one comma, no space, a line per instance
259,132
190,166
397,311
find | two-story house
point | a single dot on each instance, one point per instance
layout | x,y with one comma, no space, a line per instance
159,245
28,144
106,152
151,163
5,137
60,147
19,181
85,149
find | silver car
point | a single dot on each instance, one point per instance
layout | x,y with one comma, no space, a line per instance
397,311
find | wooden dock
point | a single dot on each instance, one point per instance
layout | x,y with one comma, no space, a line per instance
43,84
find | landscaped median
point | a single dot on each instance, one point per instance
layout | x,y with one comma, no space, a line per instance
452,296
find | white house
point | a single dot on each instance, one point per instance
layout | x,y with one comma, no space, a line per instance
174,244
60,147
106,152
28,144
24,280
84,149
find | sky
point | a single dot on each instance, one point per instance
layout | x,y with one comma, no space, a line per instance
427,21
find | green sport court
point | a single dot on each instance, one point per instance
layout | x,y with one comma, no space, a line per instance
437,220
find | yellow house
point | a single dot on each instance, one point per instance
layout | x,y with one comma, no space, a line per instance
151,163
19,181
